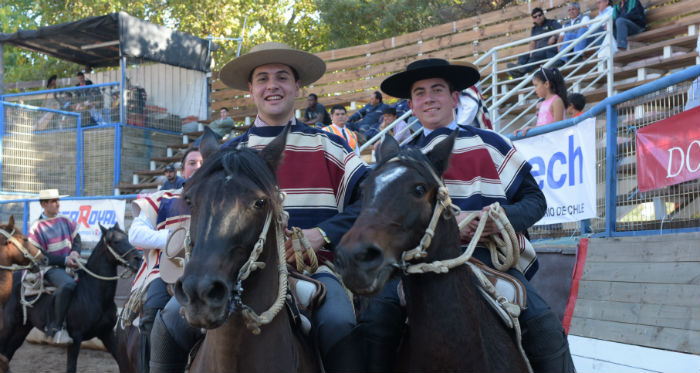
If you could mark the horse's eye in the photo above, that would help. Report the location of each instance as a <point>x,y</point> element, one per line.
<point>187,200</point>
<point>419,190</point>
<point>259,204</point>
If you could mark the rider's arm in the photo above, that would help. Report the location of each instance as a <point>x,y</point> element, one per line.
<point>336,226</point>
<point>52,259</point>
<point>77,244</point>
<point>142,234</point>
<point>528,205</point>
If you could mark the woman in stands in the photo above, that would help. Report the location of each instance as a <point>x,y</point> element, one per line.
<point>549,84</point>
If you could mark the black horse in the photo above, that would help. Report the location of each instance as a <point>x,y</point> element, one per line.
<point>92,312</point>
<point>231,197</point>
<point>451,328</point>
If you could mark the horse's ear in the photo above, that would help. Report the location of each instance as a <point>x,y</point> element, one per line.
<point>274,151</point>
<point>102,228</point>
<point>388,149</point>
<point>116,226</point>
<point>439,156</point>
<point>11,223</point>
<point>209,144</point>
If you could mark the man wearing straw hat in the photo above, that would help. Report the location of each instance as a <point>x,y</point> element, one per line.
<point>57,237</point>
<point>320,174</point>
<point>484,168</point>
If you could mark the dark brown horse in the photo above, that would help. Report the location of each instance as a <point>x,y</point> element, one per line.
<point>231,197</point>
<point>15,255</point>
<point>451,328</point>
<point>92,312</point>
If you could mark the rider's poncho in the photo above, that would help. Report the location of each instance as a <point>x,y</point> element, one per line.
<point>53,236</point>
<point>163,210</point>
<point>319,173</point>
<point>484,168</point>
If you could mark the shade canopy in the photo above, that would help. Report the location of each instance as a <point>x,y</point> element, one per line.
<point>98,41</point>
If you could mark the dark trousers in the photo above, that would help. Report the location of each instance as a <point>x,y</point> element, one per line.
<point>156,298</point>
<point>541,55</point>
<point>65,286</point>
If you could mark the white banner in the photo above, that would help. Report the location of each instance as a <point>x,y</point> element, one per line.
<point>563,164</point>
<point>88,214</point>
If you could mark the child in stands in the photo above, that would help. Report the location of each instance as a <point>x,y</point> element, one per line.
<point>549,85</point>
<point>577,102</point>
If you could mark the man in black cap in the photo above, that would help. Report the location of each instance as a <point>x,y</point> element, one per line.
<point>172,180</point>
<point>484,168</point>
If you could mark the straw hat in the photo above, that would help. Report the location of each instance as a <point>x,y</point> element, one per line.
<point>45,194</point>
<point>462,75</point>
<point>172,261</point>
<point>235,74</point>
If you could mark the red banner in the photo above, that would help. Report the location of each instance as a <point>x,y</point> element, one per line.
<point>668,151</point>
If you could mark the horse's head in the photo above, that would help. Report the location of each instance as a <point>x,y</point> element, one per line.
<point>117,242</point>
<point>398,199</point>
<point>230,198</point>
<point>15,246</point>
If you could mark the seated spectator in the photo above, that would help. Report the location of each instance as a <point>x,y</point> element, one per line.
<point>550,86</point>
<point>52,101</point>
<point>339,117</point>
<point>223,125</point>
<point>114,107</point>
<point>541,25</point>
<point>315,114</point>
<point>388,117</point>
<point>577,102</point>
<point>172,181</point>
<point>604,8</point>
<point>575,18</point>
<point>366,120</point>
<point>629,20</point>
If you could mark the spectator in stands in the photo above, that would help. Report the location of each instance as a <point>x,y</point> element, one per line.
<point>604,8</point>
<point>223,125</point>
<point>629,20</point>
<point>52,101</point>
<point>550,86</point>
<point>694,90</point>
<point>82,82</point>
<point>538,52</point>
<point>315,114</point>
<point>577,102</point>
<point>339,117</point>
<point>172,181</point>
<point>575,18</point>
<point>389,116</point>
<point>366,120</point>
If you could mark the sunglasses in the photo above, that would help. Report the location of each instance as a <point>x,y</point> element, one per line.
<point>537,15</point>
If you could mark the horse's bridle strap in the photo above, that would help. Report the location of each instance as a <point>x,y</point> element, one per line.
<point>22,249</point>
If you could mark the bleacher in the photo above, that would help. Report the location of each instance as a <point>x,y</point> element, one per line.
<point>354,72</point>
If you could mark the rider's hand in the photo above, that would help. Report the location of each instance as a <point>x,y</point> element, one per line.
<point>315,239</point>
<point>468,231</point>
<point>72,259</point>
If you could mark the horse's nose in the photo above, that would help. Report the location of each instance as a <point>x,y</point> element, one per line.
<point>209,290</point>
<point>368,257</point>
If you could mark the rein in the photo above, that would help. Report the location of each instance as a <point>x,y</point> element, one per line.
<point>252,319</point>
<point>23,250</point>
<point>504,253</point>
<point>119,258</point>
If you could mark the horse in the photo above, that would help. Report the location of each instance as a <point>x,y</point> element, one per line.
<point>92,312</point>
<point>236,231</point>
<point>15,255</point>
<point>128,355</point>
<point>451,327</point>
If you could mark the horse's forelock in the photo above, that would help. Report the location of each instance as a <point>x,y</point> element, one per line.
<point>225,169</point>
<point>413,155</point>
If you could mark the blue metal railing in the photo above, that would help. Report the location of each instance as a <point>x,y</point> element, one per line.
<point>608,106</point>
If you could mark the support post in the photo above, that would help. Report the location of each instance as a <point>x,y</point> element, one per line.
<point>611,170</point>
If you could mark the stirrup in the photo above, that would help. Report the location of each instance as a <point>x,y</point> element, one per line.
<point>61,337</point>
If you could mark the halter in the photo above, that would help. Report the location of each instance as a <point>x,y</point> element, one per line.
<point>253,320</point>
<point>504,254</point>
<point>22,249</point>
<point>115,254</point>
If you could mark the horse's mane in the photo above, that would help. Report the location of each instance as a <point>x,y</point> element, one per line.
<point>229,167</point>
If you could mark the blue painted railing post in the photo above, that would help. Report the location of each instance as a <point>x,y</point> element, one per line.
<point>25,218</point>
<point>611,170</point>
<point>79,157</point>
<point>122,121</point>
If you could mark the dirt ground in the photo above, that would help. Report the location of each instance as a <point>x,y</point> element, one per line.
<point>41,358</point>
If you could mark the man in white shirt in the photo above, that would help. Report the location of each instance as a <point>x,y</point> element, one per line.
<point>575,18</point>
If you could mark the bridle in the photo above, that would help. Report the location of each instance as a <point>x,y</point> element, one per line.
<point>503,254</point>
<point>32,258</point>
<point>253,320</point>
<point>120,258</point>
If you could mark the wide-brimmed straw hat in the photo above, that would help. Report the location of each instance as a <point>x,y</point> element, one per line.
<point>235,74</point>
<point>462,75</point>
<point>172,260</point>
<point>45,194</point>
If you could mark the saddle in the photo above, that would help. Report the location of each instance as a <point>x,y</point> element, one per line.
<point>34,284</point>
<point>304,296</point>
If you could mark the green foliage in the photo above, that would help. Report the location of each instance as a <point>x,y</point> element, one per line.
<point>312,25</point>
